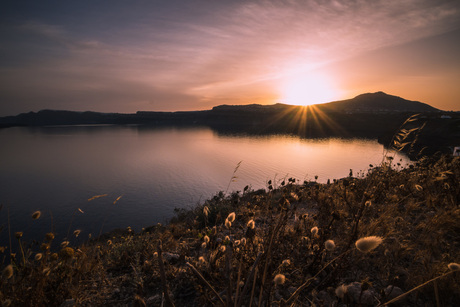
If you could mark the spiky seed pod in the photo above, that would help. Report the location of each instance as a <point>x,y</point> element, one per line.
<point>330,245</point>
<point>279,279</point>
<point>36,215</point>
<point>251,224</point>
<point>231,217</point>
<point>7,272</point>
<point>367,244</point>
<point>18,235</point>
<point>314,231</point>
<point>453,266</point>
<point>38,256</point>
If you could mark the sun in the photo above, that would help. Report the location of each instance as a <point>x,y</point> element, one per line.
<point>307,89</point>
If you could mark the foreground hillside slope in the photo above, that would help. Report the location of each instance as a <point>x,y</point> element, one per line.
<point>293,243</point>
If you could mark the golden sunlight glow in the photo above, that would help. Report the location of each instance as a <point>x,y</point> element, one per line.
<point>307,89</point>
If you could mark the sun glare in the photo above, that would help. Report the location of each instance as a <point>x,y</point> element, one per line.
<point>308,89</point>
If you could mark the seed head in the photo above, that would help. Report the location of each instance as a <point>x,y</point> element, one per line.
<point>7,272</point>
<point>18,235</point>
<point>236,242</point>
<point>206,239</point>
<point>286,262</point>
<point>228,224</point>
<point>279,279</point>
<point>453,266</point>
<point>49,236</point>
<point>330,245</point>
<point>76,232</point>
<point>341,291</point>
<point>222,248</point>
<point>38,256</point>
<point>314,231</point>
<point>54,256</point>
<point>201,260</point>
<point>367,244</point>
<point>203,245</point>
<point>251,224</point>
<point>231,217</point>
<point>64,244</point>
<point>243,241</point>
<point>67,253</point>
<point>206,211</point>
<point>36,215</point>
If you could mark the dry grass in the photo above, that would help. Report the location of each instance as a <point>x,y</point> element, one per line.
<point>271,254</point>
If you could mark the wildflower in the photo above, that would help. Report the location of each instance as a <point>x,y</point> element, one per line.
<point>203,245</point>
<point>76,232</point>
<point>201,260</point>
<point>38,256</point>
<point>64,244</point>
<point>231,217</point>
<point>279,279</point>
<point>49,236</point>
<point>18,235</point>
<point>314,231</point>
<point>222,248</point>
<point>286,262</point>
<point>243,241</point>
<point>330,245</point>
<point>251,224</point>
<point>7,272</point>
<point>367,244</point>
<point>453,266</point>
<point>228,224</point>
<point>36,215</point>
<point>206,239</point>
<point>341,291</point>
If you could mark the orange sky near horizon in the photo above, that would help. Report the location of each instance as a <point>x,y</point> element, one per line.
<point>124,57</point>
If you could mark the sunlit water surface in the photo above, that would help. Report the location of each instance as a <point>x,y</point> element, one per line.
<point>57,169</point>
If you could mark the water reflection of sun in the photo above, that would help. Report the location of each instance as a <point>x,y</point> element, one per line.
<point>307,89</point>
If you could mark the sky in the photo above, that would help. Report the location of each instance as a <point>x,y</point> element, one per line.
<point>128,56</point>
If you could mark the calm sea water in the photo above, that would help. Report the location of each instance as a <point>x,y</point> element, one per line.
<point>57,169</point>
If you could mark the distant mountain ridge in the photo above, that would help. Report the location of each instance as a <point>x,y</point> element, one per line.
<point>377,102</point>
